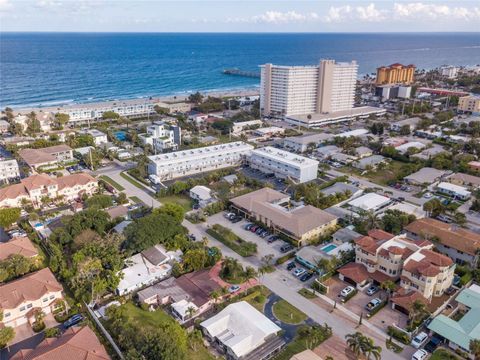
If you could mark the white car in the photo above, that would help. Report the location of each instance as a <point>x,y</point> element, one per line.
<point>347,291</point>
<point>420,355</point>
<point>419,340</point>
<point>299,272</point>
<point>427,195</point>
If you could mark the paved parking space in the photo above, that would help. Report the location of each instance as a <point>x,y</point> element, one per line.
<point>385,317</point>
<point>263,247</point>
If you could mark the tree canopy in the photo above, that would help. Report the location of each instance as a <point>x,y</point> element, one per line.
<point>8,216</point>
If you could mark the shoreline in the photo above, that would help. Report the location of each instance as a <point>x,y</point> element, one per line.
<point>175,97</point>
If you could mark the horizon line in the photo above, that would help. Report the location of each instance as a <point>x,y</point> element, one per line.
<point>232,32</point>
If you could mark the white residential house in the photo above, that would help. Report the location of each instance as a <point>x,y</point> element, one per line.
<point>283,164</point>
<point>98,136</point>
<point>147,268</point>
<point>9,170</point>
<point>162,136</point>
<point>453,190</point>
<point>187,162</point>
<point>240,329</point>
<point>202,195</point>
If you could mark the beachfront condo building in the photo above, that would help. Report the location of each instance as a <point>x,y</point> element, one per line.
<point>283,164</point>
<point>328,87</point>
<point>193,161</point>
<point>395,74</point>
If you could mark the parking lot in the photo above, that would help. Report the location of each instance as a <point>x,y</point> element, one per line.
<point>263,247</point>
<point>385,317</point>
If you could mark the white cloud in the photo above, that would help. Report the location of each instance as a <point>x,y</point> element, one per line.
<point>368,13</point>
<point>419,10</point>
<point>278,17</point>
<point>5,5</point>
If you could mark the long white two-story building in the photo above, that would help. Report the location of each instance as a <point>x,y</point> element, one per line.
<point>283,164</point>
<point>187,162</point>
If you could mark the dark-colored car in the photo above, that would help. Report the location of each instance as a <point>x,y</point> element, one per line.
<point>236,219</point>
<point>196,206</point>
<point>433,344</point>
<point>74,320</point>
<point>291,265</point>
<point>450,291</point>
<point>248,226</point>
<point>272,239</point>
<point>307,276</point>
<point>259,230</point>
<point>285,248</point>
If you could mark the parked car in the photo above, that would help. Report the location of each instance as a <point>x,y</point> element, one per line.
<point>299,272</point>
<point>248,226</point>
<point>419,340</point>
<point>372,290</point>
<point>307,276</point>
<point>196,206</point>
<point>236,219</point>
<point>373,304</point>
<point>427,195</point>
<point>74,320</point>
<point>264,234</point>
<point>456,280</point>
<point>347,291</point>
<point>234,288</point>
<point>285,248</point>
<point>272,239</point>
<point>450,291</point>
<point>432,344</point>
<point>254,228</point>
<point>401,198</point>
<point>291,265</point>
<point>259,230</point>
<point>420,355</point>
<point>228,215</point>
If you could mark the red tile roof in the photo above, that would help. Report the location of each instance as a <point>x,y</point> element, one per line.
<point>355,271</point>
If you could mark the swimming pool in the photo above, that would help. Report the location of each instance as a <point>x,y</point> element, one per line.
<point>121,135</point>
<point>328,248</point>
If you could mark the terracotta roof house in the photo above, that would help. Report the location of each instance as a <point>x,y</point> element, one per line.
<point>75,343</point>
<point>427,272</point>
<point>48,157</point>
<point>189,290</point>
<point>380,256</point>
<point>457,243</point>
<point>20,245</point>
<point>38,290</point>
<point>38,186</point>
<point>282,215</point>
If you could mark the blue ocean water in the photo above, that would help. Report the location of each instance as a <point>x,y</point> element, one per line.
<point>55,68</point>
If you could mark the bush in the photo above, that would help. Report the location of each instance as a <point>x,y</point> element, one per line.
<point>260,298</point>
<point>286,257</point>
<point>228,238</point>
<point>465,278</point>
<point>38,326</point>
<point>52,332</point>
<point>399,335</point>
<point>60,318</point>
<point>214,208</point>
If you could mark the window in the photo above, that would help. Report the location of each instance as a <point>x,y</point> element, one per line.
<point>29,306</point>
<point>45,299</point>
<point>6,315</point>
<point>22,308</point>
<point>52,297</point>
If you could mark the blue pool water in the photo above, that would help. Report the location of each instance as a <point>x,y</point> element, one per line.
<point>121,135</point>
<point>329,248</point>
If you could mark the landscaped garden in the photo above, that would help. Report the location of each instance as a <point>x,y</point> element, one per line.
<point>182,200</point>
<point>228,238</point>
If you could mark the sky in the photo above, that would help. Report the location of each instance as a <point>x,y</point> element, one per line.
<point>239,16</point>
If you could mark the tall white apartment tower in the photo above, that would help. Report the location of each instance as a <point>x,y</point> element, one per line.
<point>294,90</point>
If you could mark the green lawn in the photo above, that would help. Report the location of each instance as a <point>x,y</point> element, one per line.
<point>112,182</point>
<point>181,200</point>
<point>153,318</point>
<point>132,181</point>
<point>258,298</point>
<point>136,200</point>
<point>230,239</point>
<point>307,293</point>
<point>443,354</point>
<point>288,313</point>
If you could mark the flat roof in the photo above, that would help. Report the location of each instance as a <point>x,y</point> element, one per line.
<point>369,201</point>
<point>454,188</point>
<point>202,152</point>
<point>357,111</point>
<point>425,175</point>
<point>308,138</point>
<point>284,156</point>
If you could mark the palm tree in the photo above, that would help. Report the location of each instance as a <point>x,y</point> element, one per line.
<point>250,273</point>
<point>475,348</point>
<point>417,310</point>
<point>370,349</point>
<point>388,286</point>
<point>355,342</point>
<point>215,295</point>
<point>191,311</point>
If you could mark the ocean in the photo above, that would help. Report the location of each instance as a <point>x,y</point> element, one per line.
<point>46,69</point>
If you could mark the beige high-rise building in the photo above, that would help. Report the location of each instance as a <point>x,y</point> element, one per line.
<point>294,90</point>
<point>469,104</point>
<point>395,74</point>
